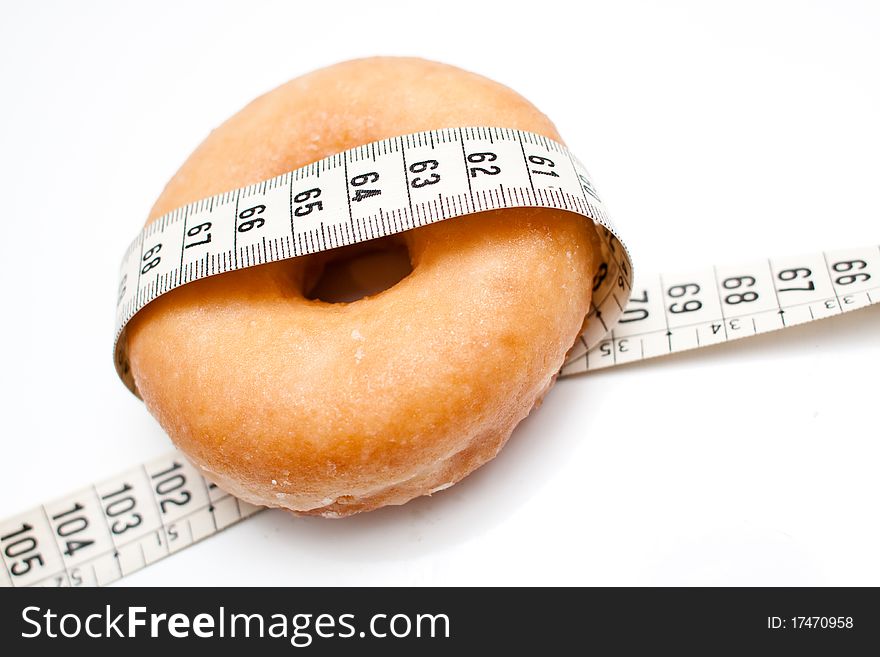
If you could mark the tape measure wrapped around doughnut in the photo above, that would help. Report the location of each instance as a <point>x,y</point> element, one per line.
<point>334,408</point>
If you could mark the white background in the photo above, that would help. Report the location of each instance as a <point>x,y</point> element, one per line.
<point>717,132</point>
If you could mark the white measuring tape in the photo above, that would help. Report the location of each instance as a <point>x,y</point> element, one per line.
<point>108,530</point>
<point>368,192</point>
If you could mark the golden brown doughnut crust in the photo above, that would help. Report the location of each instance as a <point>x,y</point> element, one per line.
<point>335,408</point>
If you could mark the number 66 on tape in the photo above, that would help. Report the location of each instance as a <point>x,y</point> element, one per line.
<point>106,531</point>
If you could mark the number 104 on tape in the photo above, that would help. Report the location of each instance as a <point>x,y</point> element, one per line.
<point>103,532</point>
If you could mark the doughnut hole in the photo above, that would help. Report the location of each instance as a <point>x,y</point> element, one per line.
<point>359,270</point>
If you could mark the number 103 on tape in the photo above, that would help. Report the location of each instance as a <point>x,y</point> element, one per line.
<point>103,532</point>
<point>106,531</point>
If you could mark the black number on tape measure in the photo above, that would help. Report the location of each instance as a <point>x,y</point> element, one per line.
<point>850,265</point>
<point>72,526</point>
<point>543,162</point>
<point>610,238</point>
<point>23,549</point>
<point>117,504</point>
<point>607,347</point>
<point>601,275</point>
<point>421,167</point>
<point>635,314</point>
<point>245,220</point>
<point>677,291</point>
<point>361,194</point>
<point>76,577</point>
<point>689,306</point>
<point>792,274</point>
<point>736,282</point>
<point>849,279</point>
<point>307,208</point>
<point>198,230</point>
<point>171,482</point>
<point>477,158</point>
<point>361,180</point>
<point>741,297</point>
<point>155,261</point>
<point>588,186</point>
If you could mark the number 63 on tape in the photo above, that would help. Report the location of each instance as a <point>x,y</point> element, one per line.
<point>105,531</point>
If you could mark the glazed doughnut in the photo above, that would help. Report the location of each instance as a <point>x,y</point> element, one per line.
<point>335,408</point>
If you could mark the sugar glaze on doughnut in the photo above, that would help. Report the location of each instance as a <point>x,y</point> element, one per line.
<point>336,408</point>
